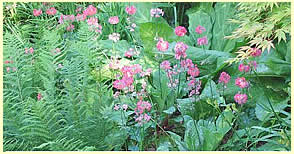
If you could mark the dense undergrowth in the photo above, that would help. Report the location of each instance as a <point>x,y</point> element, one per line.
<point>146,76</point>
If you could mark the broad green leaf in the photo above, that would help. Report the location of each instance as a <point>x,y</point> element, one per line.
<point>203,19</point>
<point>222,28</point>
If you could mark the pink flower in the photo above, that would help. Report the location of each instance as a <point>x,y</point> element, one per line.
<point>244,68</point>
<point>224,78</point>
<point>199,29</point>
<point>165,65</point>
<point>134,25</point>
<point>39,97</point>
<point>142,106</point>
<point>156,12</point>
<point>193,71</point>
<point>79,9</point>
<point>119,84</point>
<point>147,117</point>
<point>114,64</point>
<point>125,106</point>
<point>116,107</point>
<point>37,12</point>
<point>131,10</point>
<point>71,27</point>
<point>240,98</point>
<point>90,10</point>
<point>31,50</point>
<point>92,21</point>
<point>253,64</point>
<point>7,69</point>
<point>162,45</point>
<point>116,94</point>
<point>146,73</point>
<point>180,50</point>
<point>81,17</point>
<point>51,11</point>
<point>187,63</point>
<point>60,21</point>
<point>113,20</point>
<point>202,41</point>
<point>180,31</point>
<point>7,62</point>
<point>129,53</point>
<point>241,82</point>
<point>256,53</point>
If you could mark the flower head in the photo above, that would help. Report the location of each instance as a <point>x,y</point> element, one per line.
<point>180,31</point>
<point>240,98</point>
<point>80,17</point>
<point>224,78</point>
<point>37,12</point>
<point>199,29</point>
<point>39,97</point>
<point>156,12</point>
<point>241,82</point>
<point>202,41</point>
<point>131,10</point>
<point>125,106</point>
<point>180,50</point>
<point>116,107</point>
<point>162,45</point>
<point>193,71</point>
<point>244,68</point>
<point>256,52</point>
<point>51,11</point>
<point>71,27</point>
<point>129,53</point>
<point>253,64</point>
<point>113,20</point>
<point>165,65</point>
<point>90,10</point>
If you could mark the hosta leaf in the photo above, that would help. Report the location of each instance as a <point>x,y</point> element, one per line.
<point>222,28</point>
<point>203,19</point>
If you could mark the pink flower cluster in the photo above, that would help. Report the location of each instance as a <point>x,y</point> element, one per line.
<point>118,106</point>
<point>241,82</point>
<point>93,25</point>
<point>114,64</point>
<point>156,12</point>
<point>246,68</point>
<point>113,20</point>
<point>131,10</point>
<point>199,29</point>
<point>240,98</point>
<point>130,53</point>
<point>90,10</point>
<point>162,45</point>
<point>51,11</point>
<point>140,110</point>
<point>180,50</point>
<point>126,82</point>
<point>39,96</point>
<point>256,52</point>
<point>180,31</point>
<point>37,12</point>
<point>202,41</point>
<point>224,78</point>
<point>194,85</point>
<point>9,62</point>
<point>31,50</point>
<point>165,65</point>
